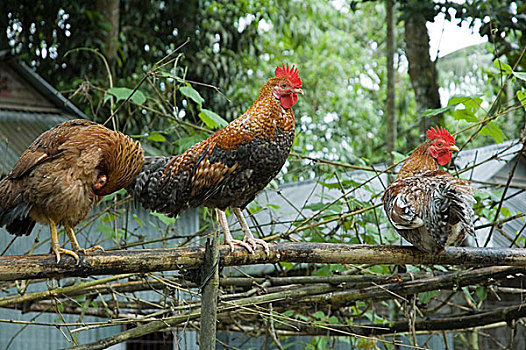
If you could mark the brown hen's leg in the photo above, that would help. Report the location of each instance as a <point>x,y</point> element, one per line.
<point>55,246</point>
<point>228,236</point>
<point>249,238</point>
<point>75,244</point>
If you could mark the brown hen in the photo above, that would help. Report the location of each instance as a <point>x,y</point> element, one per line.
<point>231,166</point>
<point>429,207</point>
<point>62,174</point>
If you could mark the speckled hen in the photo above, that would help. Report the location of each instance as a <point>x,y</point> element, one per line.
<point>429,207</point>
<point>231,166</point>
<point>62,174</point>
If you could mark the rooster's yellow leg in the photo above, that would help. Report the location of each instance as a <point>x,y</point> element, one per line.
<point>249,238</point>
<point>55,246</point>
<point>228,236</point>
<point>75,244</point>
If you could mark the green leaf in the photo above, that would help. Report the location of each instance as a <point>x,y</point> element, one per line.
<point>164,218</point>
<point>503,67</point>
<point>521,95</point>
<point>320,315</point>
<point>466,115</point>
<point>333,320</point>
<point>505,211</point>
<point>493,130</point>
<point>520,75</point>
<point>185,143</point>
<point>122,93</point>
<point>481,293</point>
<point>288,313</point>
<point>455,100</point>
<point>165,74</point>
<point>108,218</point>
<point>137,220</point>
<point>156,137</point>
<point>473,103</point>
<point>212,119</point>
<point>425,297</point>
<point>436,111</point>
<point>286,265</point>
<point>192,94</point>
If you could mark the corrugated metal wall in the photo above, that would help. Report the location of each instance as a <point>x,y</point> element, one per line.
<point>48,337</point>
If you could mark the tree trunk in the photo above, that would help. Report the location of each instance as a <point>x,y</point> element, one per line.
<point>390,116</point>
<point>4,44</point>
<point>422,71</point>
<point>110,10</point>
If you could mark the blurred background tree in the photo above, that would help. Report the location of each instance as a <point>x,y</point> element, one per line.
<point>339,47</point>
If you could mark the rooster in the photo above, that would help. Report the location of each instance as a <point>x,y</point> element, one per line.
<point>62,174</point>
<point>429,207</point>
<point>231,166</point>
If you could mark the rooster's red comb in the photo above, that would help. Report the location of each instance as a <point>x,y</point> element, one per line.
<point>440,132</point>
<point>289,73</point>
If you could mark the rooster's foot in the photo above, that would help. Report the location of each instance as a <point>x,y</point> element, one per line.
<point>234,242</point>
<point>255,241</point>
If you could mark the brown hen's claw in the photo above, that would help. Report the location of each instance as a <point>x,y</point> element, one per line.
<point>85,251</point>
<point>58,250</point>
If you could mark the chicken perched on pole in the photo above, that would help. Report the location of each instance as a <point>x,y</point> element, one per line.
<point>429,207</point>
<point>62,174</point>
<point>231,166</point>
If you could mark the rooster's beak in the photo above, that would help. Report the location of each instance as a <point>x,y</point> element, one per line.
<point>298,91</point>
<point>454,148</point>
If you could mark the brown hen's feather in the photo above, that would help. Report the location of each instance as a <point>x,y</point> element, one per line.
<point>428,207</point>
<point>64,172</point>
<point>231,166</point>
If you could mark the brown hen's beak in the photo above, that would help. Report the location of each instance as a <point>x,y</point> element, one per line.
<point>298,91</point>
<point>454,148</point>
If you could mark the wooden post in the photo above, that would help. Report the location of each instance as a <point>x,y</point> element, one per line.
<point>209,296</point>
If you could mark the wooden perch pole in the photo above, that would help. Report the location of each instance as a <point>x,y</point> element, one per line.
<point>210,287</point>
<point>140,261</point>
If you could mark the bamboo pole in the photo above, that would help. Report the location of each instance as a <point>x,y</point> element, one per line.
<point>383,292</point>
<point>458,322</point>
<point>141,261</point>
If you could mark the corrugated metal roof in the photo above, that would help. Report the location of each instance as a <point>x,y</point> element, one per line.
<point>18,130</point>
<point>29,76</point>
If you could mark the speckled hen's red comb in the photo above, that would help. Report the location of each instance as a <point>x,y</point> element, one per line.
<point>439,132</point>
<point>289,73</point>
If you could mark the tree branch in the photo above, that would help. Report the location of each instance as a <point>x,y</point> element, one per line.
<point>455,279</point>
<point>141,261</point>
<point>457,322</point>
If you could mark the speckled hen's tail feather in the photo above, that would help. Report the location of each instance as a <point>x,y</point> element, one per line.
<point>148,184</point>
<point>450,206</point>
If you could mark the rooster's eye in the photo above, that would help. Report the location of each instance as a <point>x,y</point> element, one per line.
<point>440,144</point>
<point>283,85</point>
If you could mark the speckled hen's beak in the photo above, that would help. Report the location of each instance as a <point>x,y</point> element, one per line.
<point>298,91</point>
<point>454,148</point>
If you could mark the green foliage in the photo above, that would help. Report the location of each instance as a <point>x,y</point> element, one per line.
<point>211,119</point>
<point>122,93</point>
<point>191,93</point>
<point>167,220</point>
